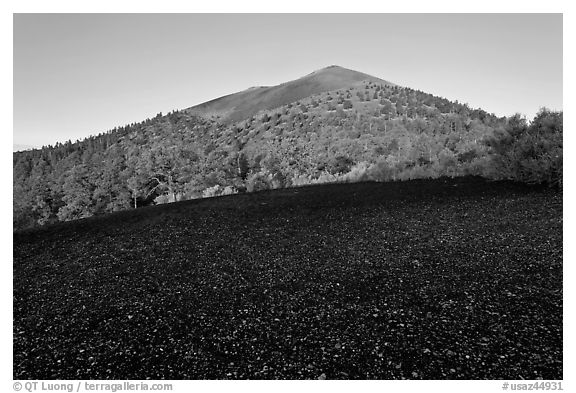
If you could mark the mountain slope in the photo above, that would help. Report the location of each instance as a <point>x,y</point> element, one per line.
<point>360,128</point>
<point>244,104</point>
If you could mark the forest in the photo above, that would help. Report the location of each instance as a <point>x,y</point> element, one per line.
<point>369,132</point>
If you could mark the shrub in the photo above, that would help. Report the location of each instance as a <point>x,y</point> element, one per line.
<point>340,164</point>
<point>229,190</point>
<point>257,182</point>
<point>323,178</point>
<point>418,172</point>
<point>161,199</point>
<point>529,153</point>
<point>382,171</point>
<point>358,173</point>
<point>211,191</point>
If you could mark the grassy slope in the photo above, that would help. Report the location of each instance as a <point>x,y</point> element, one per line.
<point>244,104</point>
<point>423,279</point>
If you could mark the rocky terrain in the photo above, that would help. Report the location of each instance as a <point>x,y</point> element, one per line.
<point>426,279</point>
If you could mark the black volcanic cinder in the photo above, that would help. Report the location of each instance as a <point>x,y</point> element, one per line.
<point>427,279</point>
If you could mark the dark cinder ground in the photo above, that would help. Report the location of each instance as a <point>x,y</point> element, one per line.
<point>437,279</point>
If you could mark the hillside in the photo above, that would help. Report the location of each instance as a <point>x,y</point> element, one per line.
<point>363,129</point>
<point>243,105</point>
<point>425,279</point>
<point>19,147</point>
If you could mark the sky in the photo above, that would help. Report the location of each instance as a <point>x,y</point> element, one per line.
<point>76,75</point>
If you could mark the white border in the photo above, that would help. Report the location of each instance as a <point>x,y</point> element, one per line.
<point>308,6</point>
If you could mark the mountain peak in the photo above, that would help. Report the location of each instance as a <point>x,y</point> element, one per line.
<point>247,103</point>
<point>336,69</point>
<point>333,66</point>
